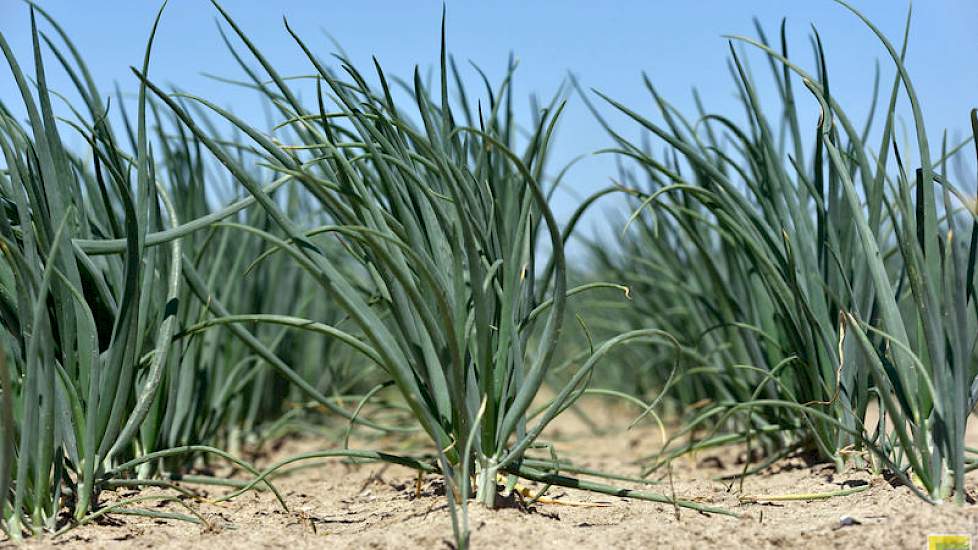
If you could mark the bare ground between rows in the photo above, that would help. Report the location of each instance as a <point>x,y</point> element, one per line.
<point>340,505</point>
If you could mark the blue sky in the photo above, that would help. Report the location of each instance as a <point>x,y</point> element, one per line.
<point>606,44</point>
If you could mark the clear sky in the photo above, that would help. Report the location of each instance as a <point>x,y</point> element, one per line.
<point>606,44</point>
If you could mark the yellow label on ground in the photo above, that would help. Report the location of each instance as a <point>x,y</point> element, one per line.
<point>948,542</point>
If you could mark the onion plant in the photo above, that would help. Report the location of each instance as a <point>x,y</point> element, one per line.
<point>452,274</point>
<point>822,274</point>
<point>85,338</point>
<point>732,258</point>
<point>98,272</point>
<point>221,390</point>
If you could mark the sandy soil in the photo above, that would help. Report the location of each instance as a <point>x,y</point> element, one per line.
<point>339,505</point>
